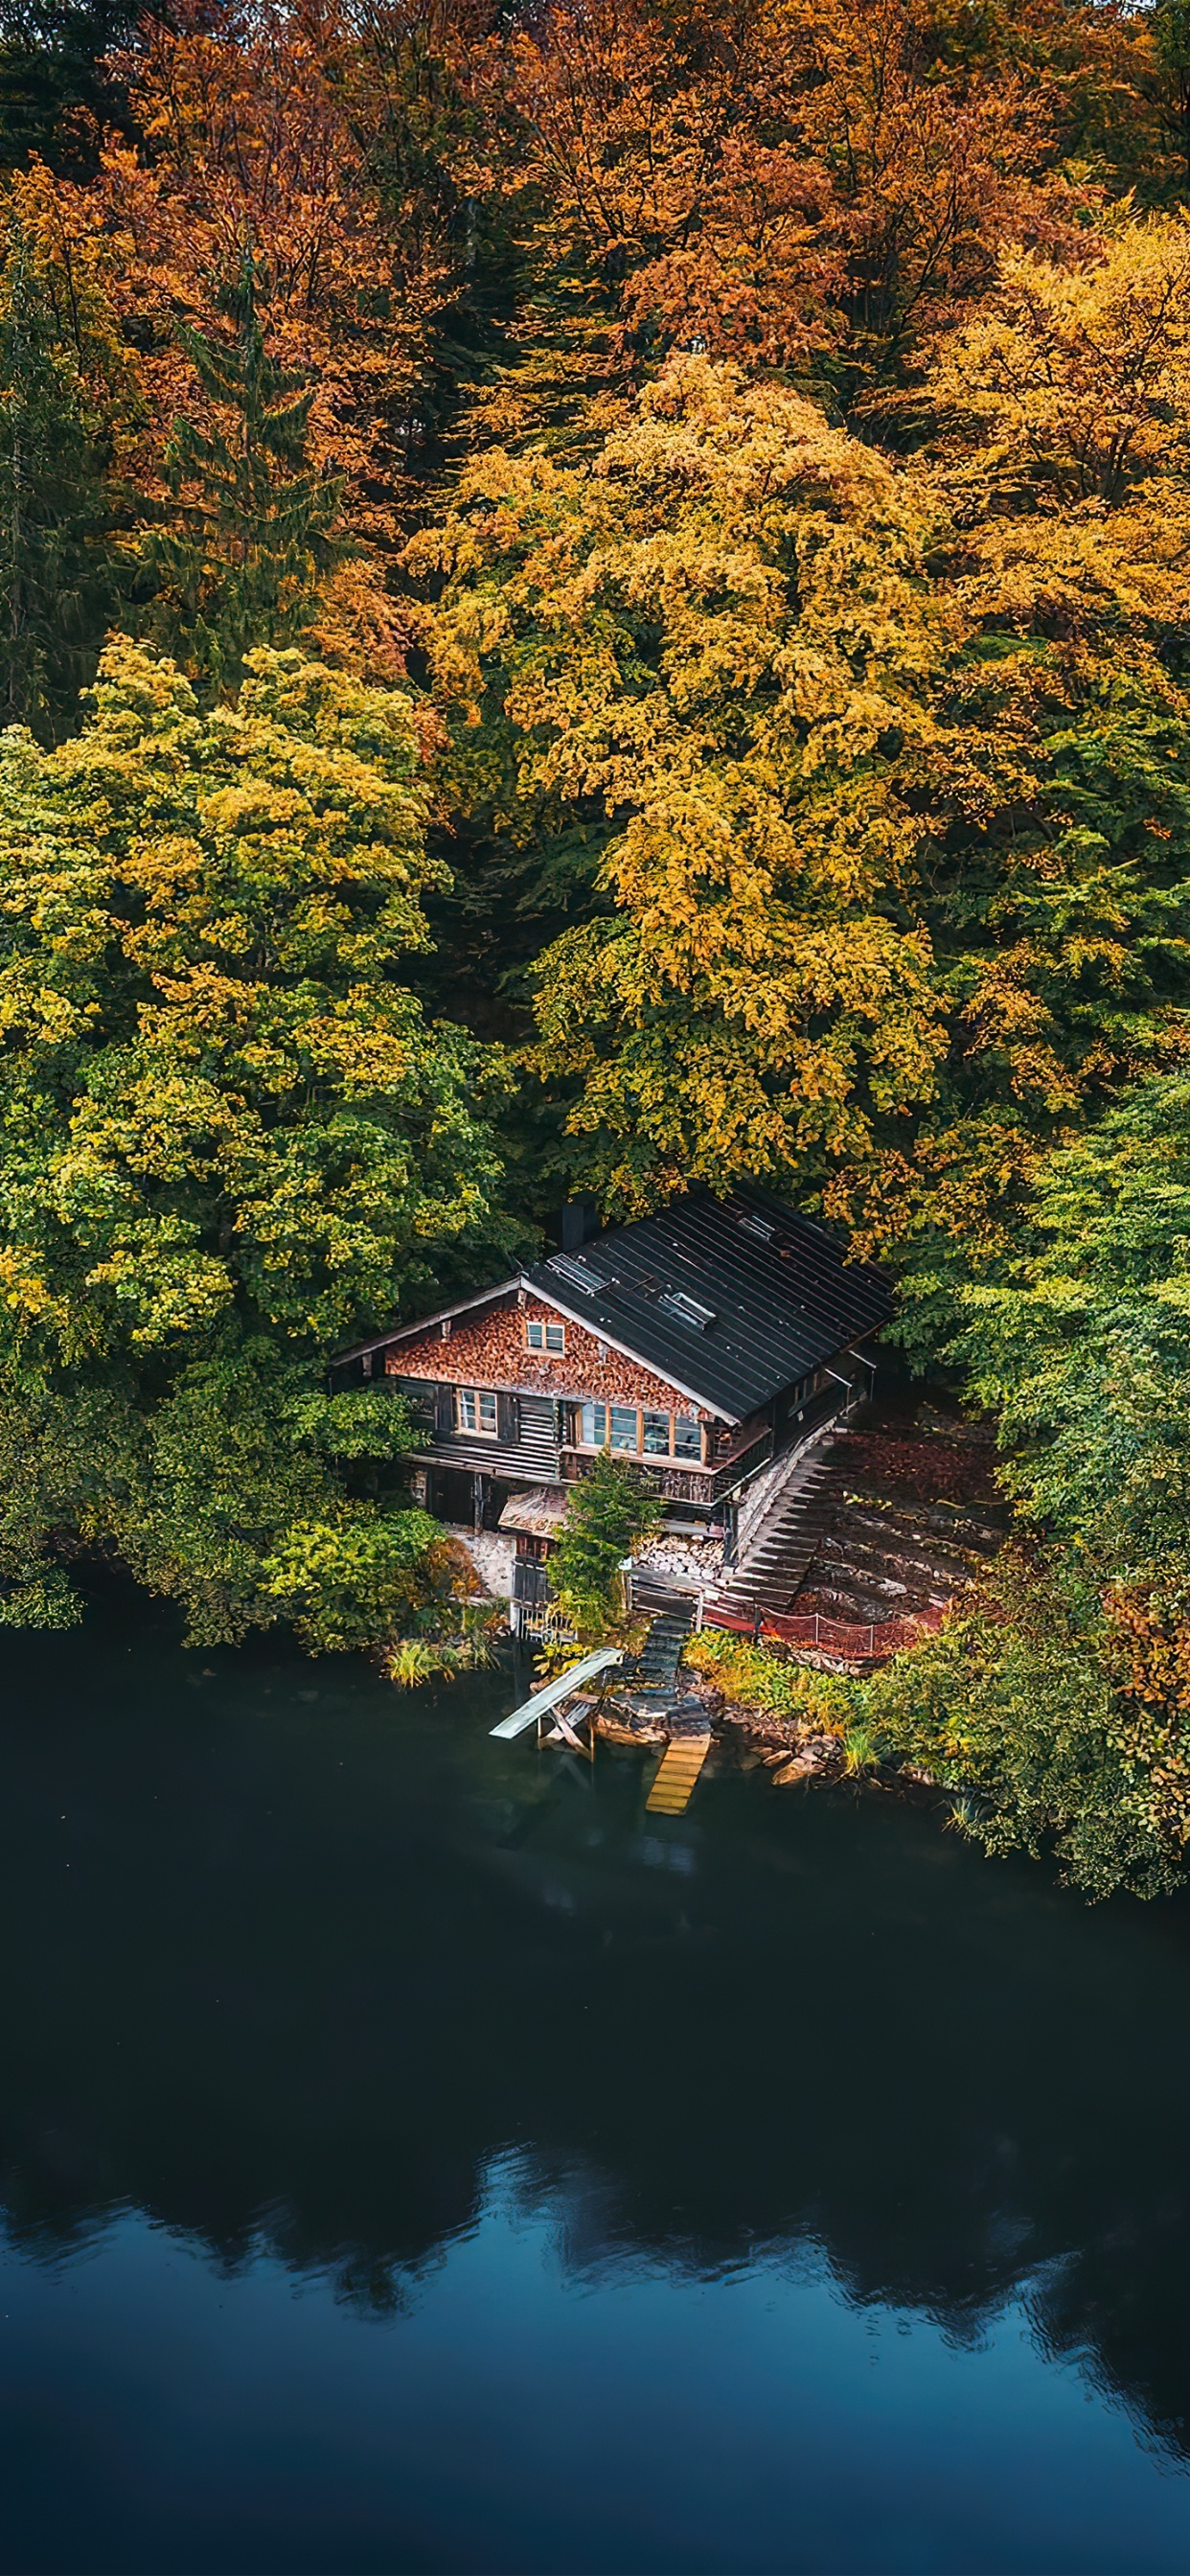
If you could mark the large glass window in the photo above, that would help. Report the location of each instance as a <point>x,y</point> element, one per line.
<point>649,1434</point>
<point>476,1411</point>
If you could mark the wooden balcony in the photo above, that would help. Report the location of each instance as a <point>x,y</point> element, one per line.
<point>678,1484</point>
<point>702,1486</point>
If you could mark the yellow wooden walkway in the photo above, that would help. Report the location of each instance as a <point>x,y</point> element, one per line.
<point>680,1765</point>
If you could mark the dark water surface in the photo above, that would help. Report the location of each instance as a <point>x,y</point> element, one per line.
<point>415,2157</point>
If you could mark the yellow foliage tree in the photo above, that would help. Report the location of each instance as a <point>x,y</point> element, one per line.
<point>879,776</point>
<point>711,641</point>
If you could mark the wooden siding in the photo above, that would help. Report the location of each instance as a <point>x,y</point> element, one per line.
<point>489,1351</point>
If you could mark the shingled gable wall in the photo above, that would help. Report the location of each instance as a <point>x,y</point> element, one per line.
<point>489,1350</point>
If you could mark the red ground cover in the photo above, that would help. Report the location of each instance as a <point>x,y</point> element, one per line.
<point>925,1470</point>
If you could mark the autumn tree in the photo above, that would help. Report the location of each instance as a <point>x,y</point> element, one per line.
<point>786,184</point>
<point>878,869</point>
<point>232,1140</point>
<point>267,133</point>
<point>1062,843</point>
<point>701,648</point>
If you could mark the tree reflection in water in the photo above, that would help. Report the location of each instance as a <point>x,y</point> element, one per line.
<point>301,1963</point>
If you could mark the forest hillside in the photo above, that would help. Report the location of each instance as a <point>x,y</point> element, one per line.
<point>596,595</point>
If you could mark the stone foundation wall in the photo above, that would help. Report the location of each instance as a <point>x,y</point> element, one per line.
<point>493,1555</point>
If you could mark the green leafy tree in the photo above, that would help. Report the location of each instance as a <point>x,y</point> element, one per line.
<point>1017,1709</point>
<point>231,1141</point>
<point>57,567</point>
<point>608,1513</point>
<point>1082,1346</point>
<point>1059,1710</point>
<point>250,529</point>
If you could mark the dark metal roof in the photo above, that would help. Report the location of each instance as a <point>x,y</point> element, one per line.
<point>731,1299</point>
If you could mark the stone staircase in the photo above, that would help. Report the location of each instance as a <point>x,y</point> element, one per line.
<point>780,1545</point>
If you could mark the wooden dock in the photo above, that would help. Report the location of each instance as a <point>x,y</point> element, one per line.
<point>679,1768</point>
<point>531,1711</point>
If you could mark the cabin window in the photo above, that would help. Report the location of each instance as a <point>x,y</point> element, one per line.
<point>476,1412</point>
<point>641,1434</point>
<point>807,1386</point>
<point>545,1337</point>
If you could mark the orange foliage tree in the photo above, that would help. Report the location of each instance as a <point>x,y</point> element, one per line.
<point>789,183</point>
<point>265,140</point>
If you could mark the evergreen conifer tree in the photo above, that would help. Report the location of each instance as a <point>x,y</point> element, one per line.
<point>1171,37</point>
<point>57,583</point>
<point>57,89</point>
<point>607,1515</point>
<point>250,529</point>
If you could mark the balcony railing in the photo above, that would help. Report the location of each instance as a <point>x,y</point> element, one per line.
<point>677,1484</point>
<point>680,1484</point>
<point>543,1621</point>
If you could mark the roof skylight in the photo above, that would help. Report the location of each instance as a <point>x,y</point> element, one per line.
<point>687,1309</point>
<point>579,1273</point>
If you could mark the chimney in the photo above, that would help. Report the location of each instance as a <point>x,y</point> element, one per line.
<point>579,1221</point>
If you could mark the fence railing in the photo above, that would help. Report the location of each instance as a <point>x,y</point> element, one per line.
<point>852,1641</point>
<point>542,1621</point>
<point>745,1463</point>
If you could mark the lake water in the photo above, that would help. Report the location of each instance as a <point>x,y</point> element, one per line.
<point>413,2156</point>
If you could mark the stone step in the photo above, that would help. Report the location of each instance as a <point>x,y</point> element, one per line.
<point>781,1546</point>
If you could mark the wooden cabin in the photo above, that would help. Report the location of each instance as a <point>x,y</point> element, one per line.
<point>699,1343</point>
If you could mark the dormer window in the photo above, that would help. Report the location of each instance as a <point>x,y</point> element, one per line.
<point>540,1336</point>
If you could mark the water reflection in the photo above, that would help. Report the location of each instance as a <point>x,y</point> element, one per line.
<point>304,1974</point>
